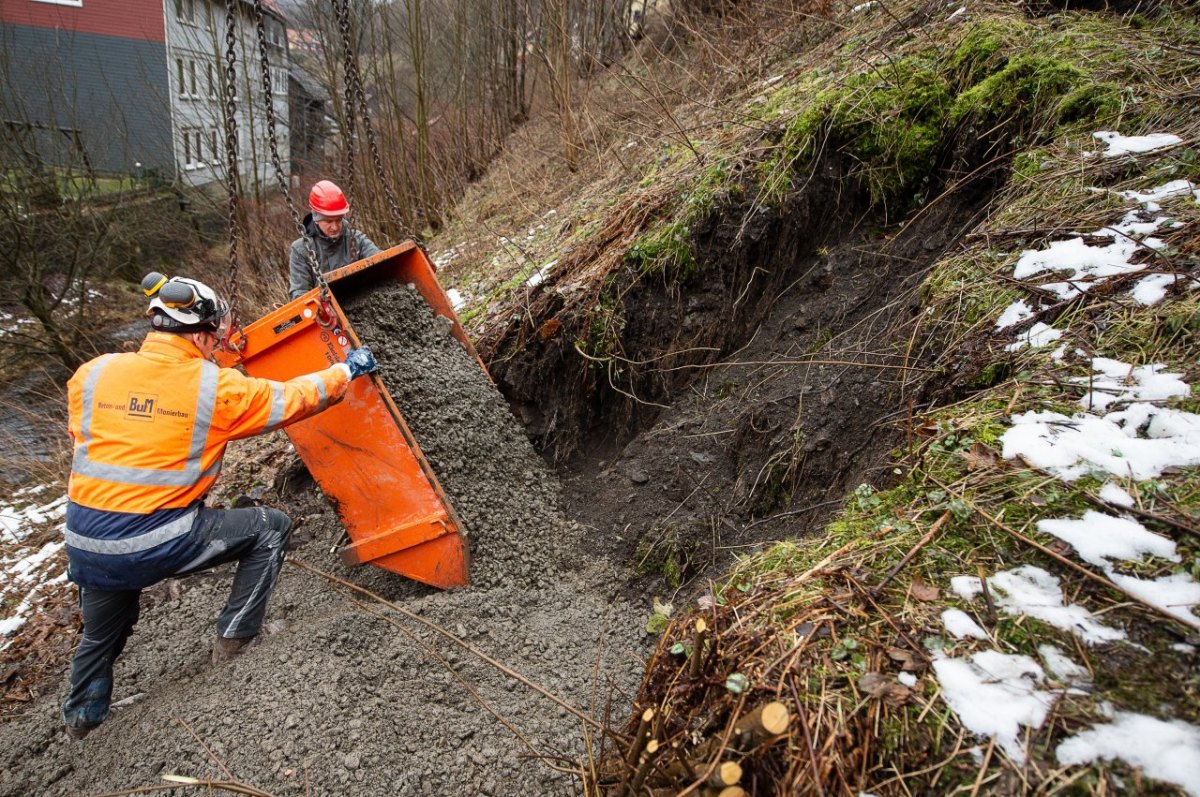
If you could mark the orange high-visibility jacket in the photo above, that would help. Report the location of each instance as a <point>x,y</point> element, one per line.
<point>150,428</point>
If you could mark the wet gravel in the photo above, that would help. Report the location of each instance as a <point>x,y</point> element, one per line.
<point>336,700</point>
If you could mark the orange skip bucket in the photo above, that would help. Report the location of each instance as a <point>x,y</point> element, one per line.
<point>361,451</point>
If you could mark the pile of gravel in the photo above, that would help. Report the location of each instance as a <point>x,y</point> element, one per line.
<point>338,701</point>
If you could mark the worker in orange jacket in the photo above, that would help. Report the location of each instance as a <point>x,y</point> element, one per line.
<point>149,431</point>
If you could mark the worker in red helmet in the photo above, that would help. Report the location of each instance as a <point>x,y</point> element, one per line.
<point>149,430</point>
<point>333,242</point>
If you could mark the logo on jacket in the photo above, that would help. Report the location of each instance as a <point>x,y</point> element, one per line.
<point>141,406</point>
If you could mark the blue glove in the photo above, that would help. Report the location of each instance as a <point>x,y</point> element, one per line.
<point>361,361</point>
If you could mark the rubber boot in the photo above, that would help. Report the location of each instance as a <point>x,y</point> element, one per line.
<point>76,733</point>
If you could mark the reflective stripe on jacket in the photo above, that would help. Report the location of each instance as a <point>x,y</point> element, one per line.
<point>150,428</point>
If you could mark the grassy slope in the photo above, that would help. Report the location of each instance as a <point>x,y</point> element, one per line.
<point>901,89</point>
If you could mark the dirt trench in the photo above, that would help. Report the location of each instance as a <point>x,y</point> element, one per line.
<point>811,308</point>
<point>337,701</point>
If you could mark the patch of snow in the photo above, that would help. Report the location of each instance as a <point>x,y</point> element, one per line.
<point>1166,750</point>
<point>1113,494</point>
<point>907,678</point>
<point>959,624</point>
<point>1101,539</point>
<point>1125,145</point>
<point>1062,667</point>
<point>1140,441</point>
<point>456,298</point>
<point>1034,592</point>
<point>961,10</point>
<point>18,522</point>
<point>863,7</point>
<point>1036,336</point>
<point>1153,289</point>
<point>26,576</point>
<point>772,81</point>
<point>995,694</point>
<point>1176,594</point>
<point>1113,380</point>
<point>1150,199</point>
<point>1015,313</point>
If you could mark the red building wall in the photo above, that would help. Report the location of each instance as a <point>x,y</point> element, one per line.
<point>127,19</point>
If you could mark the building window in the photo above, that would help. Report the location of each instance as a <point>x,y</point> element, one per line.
<point>185,11</point>
<point>212,83</point>
<point>187,149</point>
<point>179,77</point>
<point>215,138</point>
<point>199,136</point>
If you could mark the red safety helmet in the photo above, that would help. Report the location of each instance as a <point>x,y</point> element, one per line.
<point>327,199</point>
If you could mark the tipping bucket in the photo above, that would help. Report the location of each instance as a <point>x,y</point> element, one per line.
<point>361,451</point>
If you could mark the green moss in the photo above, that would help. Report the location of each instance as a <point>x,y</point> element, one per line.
<point>1092,101</point>
<point>665,249</point>
<point>1023,89</point>
<point>985,49</point>
<point>892,119</point>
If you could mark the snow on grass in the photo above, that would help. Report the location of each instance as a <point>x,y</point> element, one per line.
<point>25,575</point>
<point>1113,494</point>
<point>1101,539</point>
<point>1113,380</point>
<point>1015,313</point>
<point>1177,594</point>
<point>1036,336</point>
<point>959,624</point>
<point>1153,289</point>
<point>19,519</point>
<point>1166,750</point>
<point>1149,200</point>
<point>995,694</point>
<point>1031,591</point>
<point>1140,441</point>
<point>1126,145</point>
<point>456,298</point>
<point>1062,667</point>
<point>907,678</point>
<point>1089,265</point>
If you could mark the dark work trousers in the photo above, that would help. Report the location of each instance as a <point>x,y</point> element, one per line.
<point>255,537</point>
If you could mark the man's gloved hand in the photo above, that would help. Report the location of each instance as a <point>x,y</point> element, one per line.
<point>361,361</point>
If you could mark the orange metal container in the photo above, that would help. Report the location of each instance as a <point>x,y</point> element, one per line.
<point>361,451</point>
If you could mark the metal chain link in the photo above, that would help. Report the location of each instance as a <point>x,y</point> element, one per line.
<point>273,144</point>
<point>356,96</point>
<point>342,10</point>
<point>231,147</point>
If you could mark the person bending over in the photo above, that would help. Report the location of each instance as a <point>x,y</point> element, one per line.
<point>332,241</point>
<point>149,430</point>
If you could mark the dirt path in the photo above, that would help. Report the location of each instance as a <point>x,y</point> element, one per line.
<point>338,701</point>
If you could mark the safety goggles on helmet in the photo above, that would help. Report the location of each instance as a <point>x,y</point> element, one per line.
<point>179,304</point>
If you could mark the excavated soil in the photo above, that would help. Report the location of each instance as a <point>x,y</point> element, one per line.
<point>336,700</point>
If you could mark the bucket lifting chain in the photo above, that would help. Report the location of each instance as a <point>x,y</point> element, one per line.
<point>356,99</point>
<point>231,146</point>
<point>276,161</point>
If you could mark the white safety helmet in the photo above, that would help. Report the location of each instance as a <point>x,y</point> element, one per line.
<point>179,304</point>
